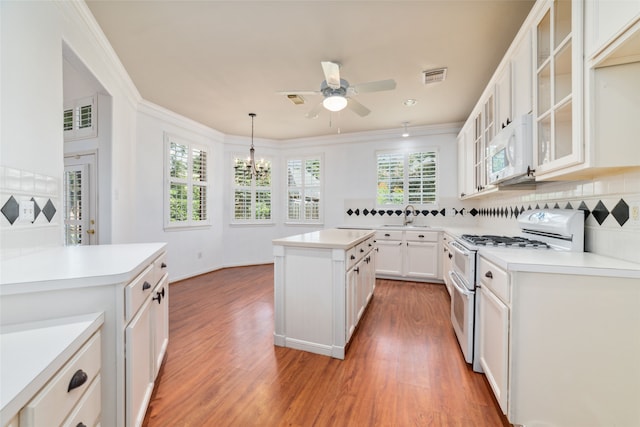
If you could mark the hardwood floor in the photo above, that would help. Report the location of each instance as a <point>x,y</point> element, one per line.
<point>403,367</point>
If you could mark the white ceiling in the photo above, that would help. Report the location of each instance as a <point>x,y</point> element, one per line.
<point>217,61</point>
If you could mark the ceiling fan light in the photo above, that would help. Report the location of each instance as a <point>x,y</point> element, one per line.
<point>334,102</point>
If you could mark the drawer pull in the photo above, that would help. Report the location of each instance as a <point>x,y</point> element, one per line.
<point>421,236</point>
<point>450,256</point>
<point>488,274</point>
<point>357,270</point>
<point>387,235</point>
<point>353,257</point>
<point>163,265</point>
<point>361,250</point>
<point>146,285</point>
<point>159,296</point>
<point>79,378</point>
<point>81,424</point>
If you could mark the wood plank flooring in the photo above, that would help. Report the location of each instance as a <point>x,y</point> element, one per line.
<point>403,367</point>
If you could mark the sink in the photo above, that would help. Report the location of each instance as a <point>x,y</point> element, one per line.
<point>404,226</point>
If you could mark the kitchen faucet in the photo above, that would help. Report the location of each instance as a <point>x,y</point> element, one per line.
<point>408,219</point>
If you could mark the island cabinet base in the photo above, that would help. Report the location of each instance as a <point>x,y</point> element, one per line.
<point>319,295</point>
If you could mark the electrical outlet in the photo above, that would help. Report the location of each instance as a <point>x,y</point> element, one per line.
<point>634,213</point>
<point>27,211</point>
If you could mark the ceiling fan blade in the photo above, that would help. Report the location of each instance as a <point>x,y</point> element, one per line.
<point>314,111</point>
<point>298,92</point>
<point>374,86</point>
<point>358,108</point>
<point>331,74</point>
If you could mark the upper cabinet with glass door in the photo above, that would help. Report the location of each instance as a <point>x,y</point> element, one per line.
<point>558,87</point>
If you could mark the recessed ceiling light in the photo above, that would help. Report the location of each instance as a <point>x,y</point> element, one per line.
<point>410,102</point>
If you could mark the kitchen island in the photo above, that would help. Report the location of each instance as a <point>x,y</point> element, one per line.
<point>323,281</point>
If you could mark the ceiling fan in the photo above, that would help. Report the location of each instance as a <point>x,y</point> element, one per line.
<point>338,93</point>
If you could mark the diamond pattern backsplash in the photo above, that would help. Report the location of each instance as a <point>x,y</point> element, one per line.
<point>620,211</point>
<point>11,210</point>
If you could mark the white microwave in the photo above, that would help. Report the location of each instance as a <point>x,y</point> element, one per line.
<point>511,151</point>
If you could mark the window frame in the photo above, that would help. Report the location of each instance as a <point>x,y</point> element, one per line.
<point>78,130</point>
<point>302,188</point>
<point>253,190</point>
<point>406,154</point>
<point>188,181</point>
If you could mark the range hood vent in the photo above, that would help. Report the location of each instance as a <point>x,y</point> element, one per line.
<point>436,75</point>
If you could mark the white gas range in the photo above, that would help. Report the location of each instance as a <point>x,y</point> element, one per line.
<point>541,230</point>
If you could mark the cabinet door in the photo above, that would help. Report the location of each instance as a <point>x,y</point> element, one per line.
<point>138,365</point>
<point>503,98</point>
<point>350,302</point>
<point>521,77</point>
<point>609,17</point>
<point>160,322</point>
<point>558,88</point>
<point>389,257</point>
<point>422,259</point>
<point>494,344</point>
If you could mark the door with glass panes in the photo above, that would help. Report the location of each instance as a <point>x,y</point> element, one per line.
<point>80,200</point>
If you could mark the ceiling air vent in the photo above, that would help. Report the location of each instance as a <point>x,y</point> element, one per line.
<point>434,76</point>
<point>296,99</point>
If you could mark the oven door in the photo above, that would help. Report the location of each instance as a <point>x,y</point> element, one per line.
<point>464,264</point>
<point>462,315</point>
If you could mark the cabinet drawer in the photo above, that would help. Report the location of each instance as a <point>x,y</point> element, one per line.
<point>388,235</point>
<point>351,257</point>
<point>159,268</point>
<point>137,291</point>
<point>422,236</point>
<point>363,248</point>
<point>54,402</point>
<point>494,278</point>
<point>87,412</point>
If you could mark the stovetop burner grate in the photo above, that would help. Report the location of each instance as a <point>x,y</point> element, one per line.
<point>506,241</point>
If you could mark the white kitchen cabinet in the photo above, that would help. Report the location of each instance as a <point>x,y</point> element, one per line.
<point>542,327</point>
<point>422,260</point>
<point>160,323</point>
<point>389,257</point>
<point>118,280</point>
<point>51,372</point>
<point>607,20</point>
<point>558,106</point>
<point>408,254</point>
<point>138,368</point>
<point>504,113</point>
<point>323,282</point>
<point>465,161</point>
<point>493,330</point>
<point>521,76</point>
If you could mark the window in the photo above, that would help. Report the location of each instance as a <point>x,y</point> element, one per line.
<point>407,178</point>
<point>187,183</point>
<point>251,195</point>
<point>304,190</point>
<point>79,119</point>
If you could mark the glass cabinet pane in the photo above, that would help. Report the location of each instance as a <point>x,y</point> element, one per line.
<point>562,132</point>
<point>544,39</point>
<point>561,21</point>
<point>544,141</point>
<point>562,73</point>
<point>544,89</point>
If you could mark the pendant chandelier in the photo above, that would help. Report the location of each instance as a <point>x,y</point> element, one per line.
<point>256,169</point>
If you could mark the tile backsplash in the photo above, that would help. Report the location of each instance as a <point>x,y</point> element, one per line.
<point>18,235</point>
<point>611,204</point>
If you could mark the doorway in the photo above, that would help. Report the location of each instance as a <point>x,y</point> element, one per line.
<point>80,200</point>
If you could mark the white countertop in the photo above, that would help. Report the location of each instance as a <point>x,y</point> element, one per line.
<point>76,266</point>
<point>551,261</point>
<point>30,354</point>
<point>332,238</point>
<point>560,262</point>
